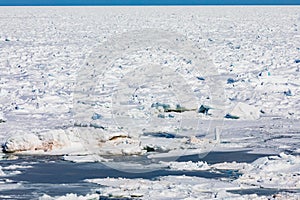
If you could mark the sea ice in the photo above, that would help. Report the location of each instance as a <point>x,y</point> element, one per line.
<point>2,118</point>
<point>1,172</point>
<point>245,112</point>
<point>81,82</point>
<point>187,166</point>
<point>168,187</point>
<point>70,196</point>
<point>278,172</point>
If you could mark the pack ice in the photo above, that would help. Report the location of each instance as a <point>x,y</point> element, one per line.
<point>51,82</point>
<point>160,82</point>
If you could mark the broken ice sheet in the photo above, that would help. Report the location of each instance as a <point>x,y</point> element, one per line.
<point>40,62</point>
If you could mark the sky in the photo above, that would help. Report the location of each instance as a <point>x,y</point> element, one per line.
<point>147,2</point>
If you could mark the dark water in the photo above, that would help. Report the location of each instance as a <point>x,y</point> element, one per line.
<point>55,177</point>
<point>219,157</point>
<point>262,191</point>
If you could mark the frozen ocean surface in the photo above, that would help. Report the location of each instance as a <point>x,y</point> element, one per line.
<point>149,102</point>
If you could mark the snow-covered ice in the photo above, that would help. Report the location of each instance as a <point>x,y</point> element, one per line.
<point>94,84</point>
<point>279,172</point>
<point>70,197</point>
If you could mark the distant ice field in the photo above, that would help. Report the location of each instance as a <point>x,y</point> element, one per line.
<point>150,102</point>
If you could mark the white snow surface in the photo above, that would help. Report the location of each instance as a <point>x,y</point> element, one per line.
<point>169,187</point>
<point>245,111</point>
<point>70,86</point>
<point>1,172</point>
<point>70,196</point>
<point>44,63</point>
<point>175,187</point>
<point>273,172</point>
<point>187,166</point>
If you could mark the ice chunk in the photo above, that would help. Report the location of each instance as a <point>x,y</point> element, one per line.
<point>166,187</point>
<point>37,142</point>
<point>170,108</point>
<point>85,158</point>
<point>161,105</point>
<point>244,111</point>
<point>96,116</point>
<point>187,166</point>
<point>70,196</point>
<point>204,109</point>
<point>288,93</point>
<point>13,167</point>
<point>22,142</point>
<point>230,81</point>
<point>280,172</point>
<point>2,118</point>
<point>120,145</point>
<point>1,172</point>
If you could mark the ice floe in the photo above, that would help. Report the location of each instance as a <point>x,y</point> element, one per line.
<point>70,196</point>
<point>188,166</point>
<point>70,141</point>
<point>169,187</point>
<point>281,172</point>
<point>245,112</point>
<point>1,172</point>
<point>2,118</point>
<point>85,158</point>
<point>273,172</point>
